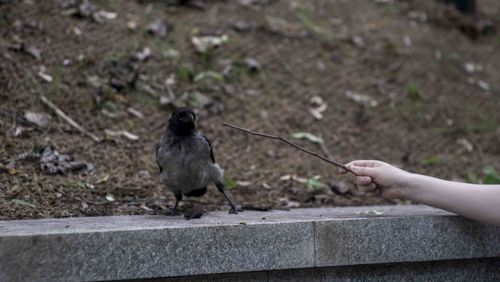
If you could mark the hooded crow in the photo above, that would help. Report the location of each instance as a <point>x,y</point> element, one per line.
<point>186,159</point>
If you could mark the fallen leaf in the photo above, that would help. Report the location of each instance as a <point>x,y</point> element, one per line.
<point>208,74</point>
<point>308,136</point>
<point>22,203</point>
<point>318,107</point>
<point>144,207</point>
<point>358,42</point>
<point>374,212</point>
<point>43,74</point>
<point>315,183</point>
<point>40,119</point>
<point>103,179</point>
<point>34,52</point>
<point>204,44</point>
<point>84,205</point>
<point>143,55</point>
<point>483,85</point>
<point>361,99</point>
<point>105,15</point>
<point>110,197</point>
<point>244,183</point>
<point>229,183</point>
<point>114,133</point>
<point>135,113</point>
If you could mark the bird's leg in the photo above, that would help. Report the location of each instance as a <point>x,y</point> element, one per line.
<point>220,186</point>
<point>178,198</point>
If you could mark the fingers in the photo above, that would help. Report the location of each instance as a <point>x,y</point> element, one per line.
<point>363,180</point>
<point>366,185</point>
<point>363,170</point>
<point>364,163</point>
<point>367,188</point>
<point>361,167</point>
<point>373,193</point>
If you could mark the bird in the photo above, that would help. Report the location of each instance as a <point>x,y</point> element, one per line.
<point>186,160</point>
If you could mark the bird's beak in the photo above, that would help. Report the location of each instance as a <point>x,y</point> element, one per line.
<point>187,119</point>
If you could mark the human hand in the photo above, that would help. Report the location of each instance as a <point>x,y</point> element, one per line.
<point>379,178</point>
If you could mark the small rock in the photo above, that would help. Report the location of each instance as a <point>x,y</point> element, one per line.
<point>407,41</point>
<point>158,28</point>
<point>244,26</point>
<point>358,42</point>
<point>144,174</point>
<point>252,65</point>
<point>342,186</point>
<point>143,55</point>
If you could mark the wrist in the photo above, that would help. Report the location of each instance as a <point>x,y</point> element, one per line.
<point>410,188</point>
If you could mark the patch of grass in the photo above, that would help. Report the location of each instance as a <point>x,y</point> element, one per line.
<point>306,18</point>
<point>454,60</point>
<point>491,175</point>
<point>477,121</point>
<point>186,72</point>
<point>432,160</point>
<point>229,183</point>
<point>316,184</point>
<point>412,92</point>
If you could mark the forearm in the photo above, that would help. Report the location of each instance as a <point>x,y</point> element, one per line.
<point>479,202</point>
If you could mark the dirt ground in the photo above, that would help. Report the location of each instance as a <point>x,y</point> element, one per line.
<point>409,82</point>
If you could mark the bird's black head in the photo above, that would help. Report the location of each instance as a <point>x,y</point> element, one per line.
<point>182,121</point>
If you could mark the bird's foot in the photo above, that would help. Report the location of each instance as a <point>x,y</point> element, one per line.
<point>233,210</point>
<point>173,212</point>
<point>193,213</point>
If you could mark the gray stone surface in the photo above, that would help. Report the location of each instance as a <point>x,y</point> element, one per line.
<point>132,247</point>
<point>386,240</point>
<point>483,270</point>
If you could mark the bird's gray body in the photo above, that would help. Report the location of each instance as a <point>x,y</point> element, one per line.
<point>186,162</point>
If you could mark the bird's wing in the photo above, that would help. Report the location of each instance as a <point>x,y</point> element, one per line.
<point>159,166</point>
<point>211,150</point>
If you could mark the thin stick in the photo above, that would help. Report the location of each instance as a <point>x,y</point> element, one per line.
<point>69,120</point>
<point>291,144</point>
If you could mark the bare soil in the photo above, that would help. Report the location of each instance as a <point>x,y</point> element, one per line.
<point>433,79</point>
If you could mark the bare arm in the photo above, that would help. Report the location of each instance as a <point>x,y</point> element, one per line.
<point>478,202</point>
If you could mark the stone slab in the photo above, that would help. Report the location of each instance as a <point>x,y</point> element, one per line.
<point>134,247</point>
<point>418,238</point>
<point>429,271</point>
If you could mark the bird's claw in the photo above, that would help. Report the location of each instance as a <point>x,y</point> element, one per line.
<point>173,212</point>
<point>233,210</point>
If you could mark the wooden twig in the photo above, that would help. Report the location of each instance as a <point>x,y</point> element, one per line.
<point>69,120</point>
<point>291,144</point>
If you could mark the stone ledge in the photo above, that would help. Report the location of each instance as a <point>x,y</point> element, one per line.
<point>132,247</point>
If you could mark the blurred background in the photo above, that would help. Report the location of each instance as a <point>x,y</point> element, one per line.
<point>87,87</point>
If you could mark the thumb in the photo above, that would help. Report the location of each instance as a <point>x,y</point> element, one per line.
<point>363,170</point>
